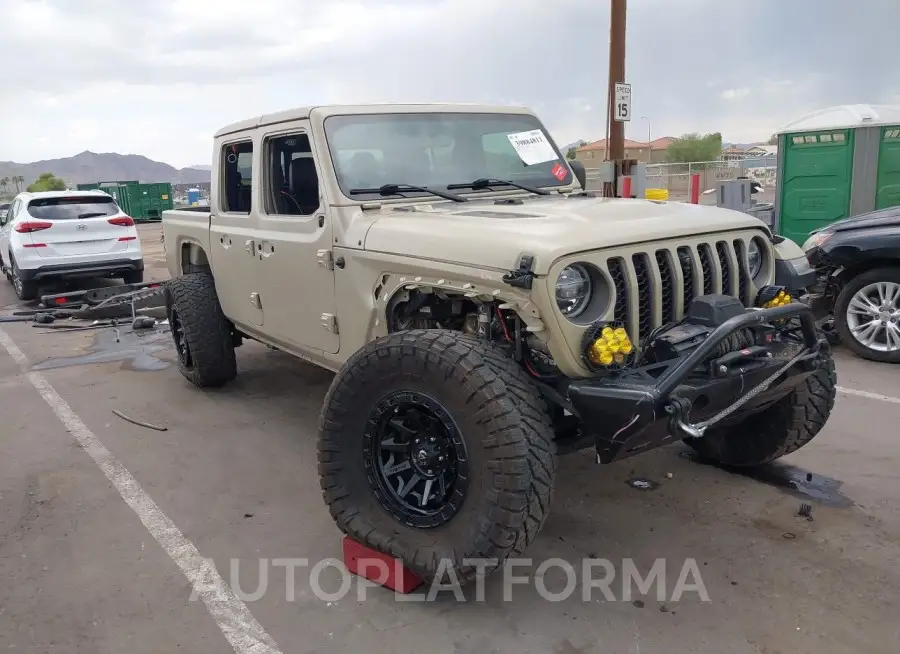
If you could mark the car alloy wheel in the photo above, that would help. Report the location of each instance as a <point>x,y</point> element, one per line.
<point>178,335</point>
<point>16,280</point>
<point>873,316</point>
<point>416,460</point>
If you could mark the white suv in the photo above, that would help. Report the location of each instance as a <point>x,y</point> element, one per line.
<point>63,234</point>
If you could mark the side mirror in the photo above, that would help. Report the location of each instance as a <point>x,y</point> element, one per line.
<point>580,174</point>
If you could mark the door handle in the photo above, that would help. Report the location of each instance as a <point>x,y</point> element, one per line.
<point>267,249</point>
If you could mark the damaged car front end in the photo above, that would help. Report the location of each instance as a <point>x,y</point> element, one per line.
<point>721,364</point>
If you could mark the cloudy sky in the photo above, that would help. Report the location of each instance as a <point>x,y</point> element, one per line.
<point>158,77</point>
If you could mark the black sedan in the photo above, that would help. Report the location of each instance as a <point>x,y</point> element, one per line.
<point>858,264</point>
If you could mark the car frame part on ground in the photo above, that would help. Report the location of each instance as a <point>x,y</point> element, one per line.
<point>857,261</point>
<point>60,235</point>
<point>484,314</point>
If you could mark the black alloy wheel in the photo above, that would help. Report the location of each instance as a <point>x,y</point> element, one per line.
<point>180,337</point>
<point>416,459</point>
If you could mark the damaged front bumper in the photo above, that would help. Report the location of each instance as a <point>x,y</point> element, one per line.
<point>643,408</point>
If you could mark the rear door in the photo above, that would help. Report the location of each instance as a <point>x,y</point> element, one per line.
<point>234,243</point>
<point>73,227</point>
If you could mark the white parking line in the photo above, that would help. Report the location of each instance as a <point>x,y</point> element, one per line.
<point>868,395</point>
<point>238,625</point>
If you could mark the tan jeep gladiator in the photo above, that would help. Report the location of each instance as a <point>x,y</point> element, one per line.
<point>484,313</point>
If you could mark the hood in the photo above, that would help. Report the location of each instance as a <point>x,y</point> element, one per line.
<point>494,233</point>
<point>880,219</point>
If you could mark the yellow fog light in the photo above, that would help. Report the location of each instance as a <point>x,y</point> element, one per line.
<point>770,297</point>
<point>779,300</point>
<point>609,346</point>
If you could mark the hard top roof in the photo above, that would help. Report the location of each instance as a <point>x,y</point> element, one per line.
<point>329,110</point>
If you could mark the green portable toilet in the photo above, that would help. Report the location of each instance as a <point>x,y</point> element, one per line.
<point>835,163</point>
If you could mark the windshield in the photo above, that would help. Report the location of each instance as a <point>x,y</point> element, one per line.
<point>72,207</point>
<point>440,149</point>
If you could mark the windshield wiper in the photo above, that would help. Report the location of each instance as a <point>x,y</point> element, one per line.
<point>484,182</point>
<point>91,214</point>
<point>397,189</point>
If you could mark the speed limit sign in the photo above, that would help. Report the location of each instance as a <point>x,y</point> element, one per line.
<point>622,103</point>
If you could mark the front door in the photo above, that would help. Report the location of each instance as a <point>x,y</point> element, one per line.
<point>296,277</point>
<point>5,228</point>
<point>234,241</point>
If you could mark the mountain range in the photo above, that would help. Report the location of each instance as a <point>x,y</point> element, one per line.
<point>105,167</point>
<point>90,166</point>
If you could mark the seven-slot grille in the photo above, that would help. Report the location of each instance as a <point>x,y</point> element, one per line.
<point>681,274</point>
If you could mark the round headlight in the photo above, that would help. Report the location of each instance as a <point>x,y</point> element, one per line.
<point>573,290</point>
<point>754,258</point>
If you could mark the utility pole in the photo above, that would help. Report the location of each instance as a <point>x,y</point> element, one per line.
<point>649,148</point>
<point>615,130</point>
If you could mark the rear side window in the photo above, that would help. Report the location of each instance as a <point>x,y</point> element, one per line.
<point>72,208</point>
<point>237,177</point>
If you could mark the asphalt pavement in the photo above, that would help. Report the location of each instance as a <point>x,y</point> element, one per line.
<point>207,537</point>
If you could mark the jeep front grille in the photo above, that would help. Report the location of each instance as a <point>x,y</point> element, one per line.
<point>654,288</point>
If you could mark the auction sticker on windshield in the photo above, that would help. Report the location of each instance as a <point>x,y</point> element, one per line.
<point>559,171</point>
<point>532,147</point>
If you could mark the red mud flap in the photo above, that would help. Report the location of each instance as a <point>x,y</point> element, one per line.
<point>378,568</point>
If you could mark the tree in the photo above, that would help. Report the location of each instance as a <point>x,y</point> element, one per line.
<point>47,182</point>
<point>4,185</point>
<point>571,153</point>
<point>773,140</point>
<point>18,179</point>
<point>691,148</point>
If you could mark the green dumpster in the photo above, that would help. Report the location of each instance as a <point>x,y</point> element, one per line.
<point>143,202</point>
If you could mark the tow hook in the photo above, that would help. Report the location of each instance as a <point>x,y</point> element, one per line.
<point>680,408</point>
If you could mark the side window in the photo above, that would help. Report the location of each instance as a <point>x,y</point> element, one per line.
<point>293,183</point>
<point>237,177</point>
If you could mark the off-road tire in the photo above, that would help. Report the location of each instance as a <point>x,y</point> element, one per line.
<point>782,428</point>
<point>507,432</point>
<point>136,277</point>
<point>843,302</point>
<point>192,303</point>
<point>25,290</point>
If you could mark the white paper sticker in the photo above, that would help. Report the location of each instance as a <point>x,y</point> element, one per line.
<point>532,147</point>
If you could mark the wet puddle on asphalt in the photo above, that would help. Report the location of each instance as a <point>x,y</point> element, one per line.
<point>796,481</point>
<point>135,349</point>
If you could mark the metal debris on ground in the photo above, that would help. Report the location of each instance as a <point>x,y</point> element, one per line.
<point>56,329</point>
<point>805,511</point>
<point>140,423</point>
<point>642,484</point>
<point>143,322</point>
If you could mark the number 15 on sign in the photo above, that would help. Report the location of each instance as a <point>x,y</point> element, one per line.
<point>622,103</point>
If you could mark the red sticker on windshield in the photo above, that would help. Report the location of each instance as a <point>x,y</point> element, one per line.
<point>559,171</point>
